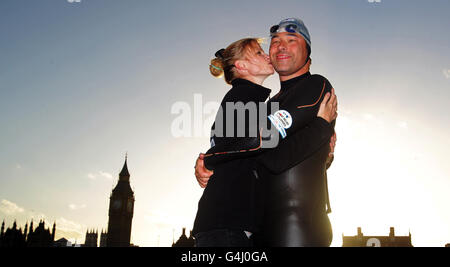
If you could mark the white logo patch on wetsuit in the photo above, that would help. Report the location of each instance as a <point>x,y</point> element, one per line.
<point>282,120</point>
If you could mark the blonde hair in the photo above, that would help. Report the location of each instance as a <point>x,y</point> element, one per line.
<point>223,64</point>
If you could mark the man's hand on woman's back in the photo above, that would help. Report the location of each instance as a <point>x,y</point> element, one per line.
<point>201,173</point>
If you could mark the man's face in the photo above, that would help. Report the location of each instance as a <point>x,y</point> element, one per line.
<point>288,53</point>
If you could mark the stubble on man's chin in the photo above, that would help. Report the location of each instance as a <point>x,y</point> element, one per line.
<point>284,70</point>
<point>278,70</point>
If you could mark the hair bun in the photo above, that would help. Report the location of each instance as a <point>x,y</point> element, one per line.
<point>219,54</point>
<point>216,67</point>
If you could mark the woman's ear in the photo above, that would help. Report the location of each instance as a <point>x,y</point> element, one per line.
<point>241,65</point>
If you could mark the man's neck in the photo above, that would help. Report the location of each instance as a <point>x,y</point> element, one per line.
<point>299,73</point>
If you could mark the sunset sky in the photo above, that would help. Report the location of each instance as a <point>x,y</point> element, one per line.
<point>81,84</point>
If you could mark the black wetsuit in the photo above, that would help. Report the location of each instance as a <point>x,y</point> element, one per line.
<point>233,199</point>
<point>296,200</point>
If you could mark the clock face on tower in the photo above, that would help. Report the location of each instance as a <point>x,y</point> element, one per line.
<point>117,204</point>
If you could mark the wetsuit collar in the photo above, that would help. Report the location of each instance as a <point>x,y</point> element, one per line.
<point>250,85</point>
<point>289,83</point>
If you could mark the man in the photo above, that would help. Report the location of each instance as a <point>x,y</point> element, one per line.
<point>295,199</point>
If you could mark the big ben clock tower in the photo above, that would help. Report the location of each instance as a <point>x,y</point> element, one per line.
<point>121,207</point>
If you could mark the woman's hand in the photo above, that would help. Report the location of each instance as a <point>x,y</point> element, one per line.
<point>332,147</point>
<point>328,107</point>
<point>201,173</point>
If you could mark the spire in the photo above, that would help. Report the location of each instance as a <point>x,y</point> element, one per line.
<point>124,174</point>
<point>26,230</point>
<point>54,231</point>
<point>3,228</point>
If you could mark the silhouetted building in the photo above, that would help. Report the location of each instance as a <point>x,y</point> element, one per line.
<point>12,237</point>
<point>376,241</point>
<point>62,243</point>
<point>103,239</point>
<point>39,237</point>
<point>91,240</point>
<point>184,241</point>
<point>121,207</point>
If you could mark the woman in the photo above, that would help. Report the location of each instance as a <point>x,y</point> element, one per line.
<point>230,210</point>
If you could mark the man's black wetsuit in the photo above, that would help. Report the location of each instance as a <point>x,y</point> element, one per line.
<point>233,199</point>
<point>296,200</point>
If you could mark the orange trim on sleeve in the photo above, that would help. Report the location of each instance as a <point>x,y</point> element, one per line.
<point>307,106</point>
<point>239,151</point>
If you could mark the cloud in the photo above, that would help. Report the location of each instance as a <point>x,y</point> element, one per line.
<point>64,227</point>
<point>100,174</point>
<point>403,125</point>
<point>72,231</point>
<point>14,211</point>
<point>446,73</point>
<point>18,166</point>
<point>76,207</point>
<point>36,215</point>
<point>10,208</point>
<point>106,175</point>
<point>368,116</point>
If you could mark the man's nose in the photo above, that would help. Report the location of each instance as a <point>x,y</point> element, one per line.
<point>282,46</point>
